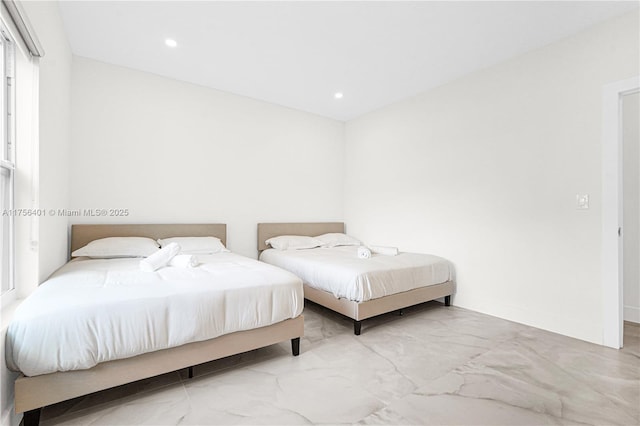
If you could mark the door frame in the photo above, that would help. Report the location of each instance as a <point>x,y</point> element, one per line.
<point>612,280</point>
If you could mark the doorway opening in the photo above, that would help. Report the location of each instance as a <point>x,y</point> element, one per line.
<point>631,217</point>
<point>613,209</point>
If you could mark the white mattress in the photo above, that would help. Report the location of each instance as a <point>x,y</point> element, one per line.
<point>339,271</point>
<point>91,311</point>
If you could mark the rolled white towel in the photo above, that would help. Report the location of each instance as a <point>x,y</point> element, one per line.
<point>364,252</point>
<point>387,251</point>
<point>160,258</point>
<point>184,261</point>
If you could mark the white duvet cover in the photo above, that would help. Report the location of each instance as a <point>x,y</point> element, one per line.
<point>91,310</point>
<point>339,271</point>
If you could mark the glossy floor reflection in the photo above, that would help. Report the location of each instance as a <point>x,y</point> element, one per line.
<point>433,365</point>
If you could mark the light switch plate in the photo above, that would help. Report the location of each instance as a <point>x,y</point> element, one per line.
<point>582,201</point>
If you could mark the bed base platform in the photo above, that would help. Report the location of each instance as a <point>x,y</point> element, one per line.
<point>359,311</point>
<point>33,393</point>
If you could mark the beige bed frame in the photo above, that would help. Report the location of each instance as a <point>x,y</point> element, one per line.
<point>32,393</point>
<point>357,311</point>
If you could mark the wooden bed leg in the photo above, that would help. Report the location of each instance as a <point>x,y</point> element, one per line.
<point>357,327</point>
<point>400,312</point>
<point>31,418</point>
<point>447,301</point>
<point>191,372</point>
<point>295,346</point>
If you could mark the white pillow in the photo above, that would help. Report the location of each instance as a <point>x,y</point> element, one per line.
<point>293,242</point>
<point>196,245</point>
<point>114,247</point>
<point>335,239</point>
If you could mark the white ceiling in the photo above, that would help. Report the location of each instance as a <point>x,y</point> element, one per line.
<point>298,54</point>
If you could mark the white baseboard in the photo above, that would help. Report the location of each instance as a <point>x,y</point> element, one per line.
<point>632,314</point>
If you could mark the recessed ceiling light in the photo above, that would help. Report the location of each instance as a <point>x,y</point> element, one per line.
<point>170,42</point>
<point>338,95</point>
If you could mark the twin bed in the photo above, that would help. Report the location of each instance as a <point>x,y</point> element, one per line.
<point>100,323</point>
<point>336,278</point>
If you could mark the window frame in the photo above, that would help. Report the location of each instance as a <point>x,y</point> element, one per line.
<point>7,158</point>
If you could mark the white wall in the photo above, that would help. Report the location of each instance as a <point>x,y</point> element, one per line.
<point>631,201</point>
<point>54,133</point>
<point>43,166</point>
<point>485,171</point>
<point>172,152</point>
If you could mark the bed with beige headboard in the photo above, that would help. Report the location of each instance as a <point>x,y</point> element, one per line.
<point>32,393</point>
<point>357,311</point>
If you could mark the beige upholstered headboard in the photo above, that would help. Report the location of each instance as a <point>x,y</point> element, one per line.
<point>268,230</point>
<point>81,235</point>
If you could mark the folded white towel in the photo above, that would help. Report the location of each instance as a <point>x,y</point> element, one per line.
<point>387,251</point>
<point>160,258</point>
<point>364,253</point>
<point>184,261</point>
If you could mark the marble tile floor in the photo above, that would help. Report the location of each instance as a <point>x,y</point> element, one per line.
<point>434,365</point>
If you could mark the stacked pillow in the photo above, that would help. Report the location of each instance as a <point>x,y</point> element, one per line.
<point>300,242</point>
<point>196,245</point>
<point>120,247</point>
<point>116,247</point>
